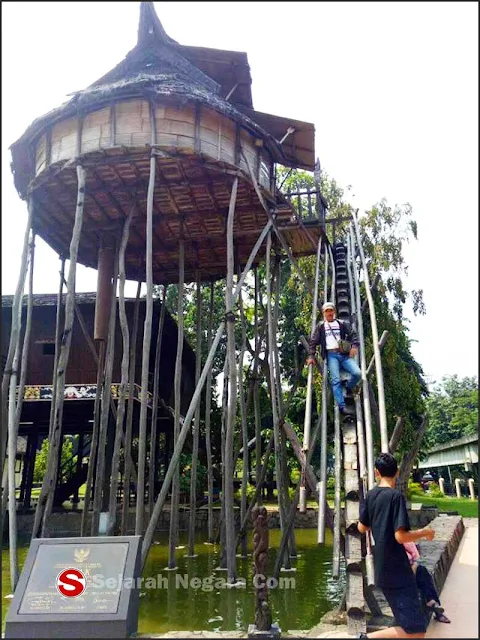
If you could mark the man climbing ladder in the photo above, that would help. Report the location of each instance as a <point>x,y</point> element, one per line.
<point>339,344</point>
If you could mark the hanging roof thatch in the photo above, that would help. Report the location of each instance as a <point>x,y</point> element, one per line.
<point>158,65</point>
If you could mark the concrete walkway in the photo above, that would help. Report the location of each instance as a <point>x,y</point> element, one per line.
<point>460,593</point>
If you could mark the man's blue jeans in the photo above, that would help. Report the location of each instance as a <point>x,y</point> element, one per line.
<point>335,362</point>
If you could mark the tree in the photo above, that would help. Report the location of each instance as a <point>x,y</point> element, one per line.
<point>384,230</point>
<point>453,410</point>
<point>42,457</point>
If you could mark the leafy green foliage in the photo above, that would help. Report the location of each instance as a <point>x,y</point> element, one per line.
<point>385,231</point>
<point>452,409</point>
<point>41,459</point>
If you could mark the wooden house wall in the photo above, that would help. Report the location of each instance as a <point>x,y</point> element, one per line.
<point>127,124</point>
<point>81,367</point>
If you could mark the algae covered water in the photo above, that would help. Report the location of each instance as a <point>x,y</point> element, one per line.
<point>194,597</point>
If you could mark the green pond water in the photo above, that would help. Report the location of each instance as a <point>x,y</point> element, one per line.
<point>172,607</point>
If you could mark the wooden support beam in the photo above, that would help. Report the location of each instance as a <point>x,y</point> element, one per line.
<point>147,336</point>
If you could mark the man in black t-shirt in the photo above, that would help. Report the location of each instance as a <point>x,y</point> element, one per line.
<point>384,512</point>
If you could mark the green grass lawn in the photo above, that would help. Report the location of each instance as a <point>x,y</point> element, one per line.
<point>465,507</point>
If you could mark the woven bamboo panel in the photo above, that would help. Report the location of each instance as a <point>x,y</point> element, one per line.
<point>192,188</point>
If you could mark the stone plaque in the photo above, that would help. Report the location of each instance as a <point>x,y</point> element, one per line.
<point>98,597</point>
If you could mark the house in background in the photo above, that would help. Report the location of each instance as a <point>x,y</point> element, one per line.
<point>80,387</point>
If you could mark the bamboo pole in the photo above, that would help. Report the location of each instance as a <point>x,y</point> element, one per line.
<point>48,487</point>
<point>148,538</point>
<point>17,302</point>
<point>23,373</point>
<point>256,390</point>
<point>322,485</point>
<point>337,503</point>
<point>308,403</point>
<point>105,406</point>
<point>156,386</point>
<point>221,529</point>
<point>175,495</point>
<point>196,423</point>
<point>273,391</point>
<point>282,485</point>
<point>286,248</point>
<point>57,345</point>
<point>310,475</point>
<point>208,404</point>
<point>376,350</point>
<point>122,393</point>
<point>92,461</point>
<point>381,343</point>
<point>26,338</point>
<point>243,414</point>
<point>363,367</point>
<point>12,454</point>
<point>232,395</point>
<point>129,427</point>
<point>147,336</point>
<point>293,507</point>
<point>358,405</point>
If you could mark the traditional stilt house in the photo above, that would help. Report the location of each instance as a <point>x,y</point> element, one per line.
<point>81,386</point>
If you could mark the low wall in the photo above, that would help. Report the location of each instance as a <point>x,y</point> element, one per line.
<point>67,523</point>
<point>437,556</point>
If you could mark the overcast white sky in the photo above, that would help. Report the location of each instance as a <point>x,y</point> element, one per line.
<point>392,89</point>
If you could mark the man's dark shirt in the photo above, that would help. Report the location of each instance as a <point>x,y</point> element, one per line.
<point>384,510</point>
<point>347,332</point>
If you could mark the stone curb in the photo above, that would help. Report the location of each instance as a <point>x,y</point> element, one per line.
<point>437,556</point>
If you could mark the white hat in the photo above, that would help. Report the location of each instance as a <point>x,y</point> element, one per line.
<point>328,305</point>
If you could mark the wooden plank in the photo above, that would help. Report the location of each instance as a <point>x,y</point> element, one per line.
<point>352,512</point>
<point>350,456</point>
<point>349,432</point>
<point>355,599</point>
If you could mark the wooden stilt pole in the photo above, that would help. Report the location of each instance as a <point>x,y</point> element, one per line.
<point>47,491</point>
<point>175,495</point>
<point>128,431</point>
<point>232,395</point>
<point>92,462</point>
<point>322,485</point>
<point>122,394</point>
<point>12,454</point>
<point>149,534</point>
<point>58,337</point>
<point>26,339</point>
<point>196,424</point>
<point>17,302</point>
<point>221,529</point>
<point>23,374</point>
<point>105,406</point>
<point>338,485</point>
<point>156,386</point>
<point>256,398</point>
<point>273,384</point>
<point>363,366</point>
<point>147,336</point>
<point>243,414</point>
<point>375,341</point>
<point>293,507</point>
<point>208,403</point>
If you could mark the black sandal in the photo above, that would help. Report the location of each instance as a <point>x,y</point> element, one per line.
<point>441,617</point>
<point>436,609</point>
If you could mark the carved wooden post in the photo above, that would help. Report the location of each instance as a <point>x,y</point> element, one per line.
<point>263,626</point>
